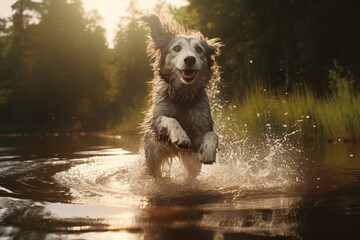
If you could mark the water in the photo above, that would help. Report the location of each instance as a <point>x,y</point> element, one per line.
<point>94,187</point>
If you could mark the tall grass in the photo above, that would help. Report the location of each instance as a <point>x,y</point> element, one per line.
<point>131,120</point>
<point>262,108</point>
<point>334,115</point>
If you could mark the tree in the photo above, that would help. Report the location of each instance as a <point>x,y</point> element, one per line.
<point>132,63</point>
<point>282,42</point>
<point>67,70</point>
<point>55,68</point>
<point>15,71</point>
<point>4,82</point>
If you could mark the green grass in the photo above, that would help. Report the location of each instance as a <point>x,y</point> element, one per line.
<point>332,116</point>
<point>261,108</point>
<point>131,121</point>
<point>336,115</point>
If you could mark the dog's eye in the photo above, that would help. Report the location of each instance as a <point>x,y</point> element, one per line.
<point>177,48</point>
<point>199,50</point>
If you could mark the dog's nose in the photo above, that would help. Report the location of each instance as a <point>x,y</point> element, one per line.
<point>190,60</point>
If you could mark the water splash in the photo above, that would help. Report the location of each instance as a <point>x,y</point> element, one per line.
<point>244,164</point>
<point>267,160</point>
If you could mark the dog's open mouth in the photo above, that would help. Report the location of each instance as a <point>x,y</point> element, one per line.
<point>188,75</point>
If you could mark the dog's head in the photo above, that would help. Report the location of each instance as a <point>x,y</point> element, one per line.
<point>183,58</point>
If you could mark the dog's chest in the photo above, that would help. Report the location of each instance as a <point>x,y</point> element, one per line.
<point>195,119</point>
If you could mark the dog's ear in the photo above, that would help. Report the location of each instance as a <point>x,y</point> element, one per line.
<point>214,45</point>
<point>158,34</point>
<point>212,49</point>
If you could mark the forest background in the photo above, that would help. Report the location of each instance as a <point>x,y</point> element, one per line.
<point>287,65</point>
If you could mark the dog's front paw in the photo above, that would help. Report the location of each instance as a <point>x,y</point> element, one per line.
<point>207,153</point>
<point>208,147</point>
<point>180,139</point>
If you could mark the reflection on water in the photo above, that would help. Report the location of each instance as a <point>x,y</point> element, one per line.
<point>92,187</point>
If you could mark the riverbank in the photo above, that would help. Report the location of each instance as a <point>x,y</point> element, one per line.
<point>332,116</point>
<point>261,109</point>
<point>300,112</point>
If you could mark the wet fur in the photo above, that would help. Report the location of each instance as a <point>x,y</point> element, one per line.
<point>179,122</point>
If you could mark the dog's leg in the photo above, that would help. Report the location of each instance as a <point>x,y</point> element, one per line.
<point>192,164</point>
<point>171,128</point>
<point>154,155</point>
<point>208,147</point>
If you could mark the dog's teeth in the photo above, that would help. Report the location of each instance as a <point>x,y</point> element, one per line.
<point>188,74</point>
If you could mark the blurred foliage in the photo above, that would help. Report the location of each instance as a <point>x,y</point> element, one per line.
<point>58,74</point>
<point>132,64</point>
<point>298,112</point>
<point>281,42</point>
<point>53,69</point>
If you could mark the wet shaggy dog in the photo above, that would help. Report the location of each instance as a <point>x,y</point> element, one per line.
<point>179,122</point>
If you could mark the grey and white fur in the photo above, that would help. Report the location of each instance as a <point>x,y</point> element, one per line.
<point>179,122</point>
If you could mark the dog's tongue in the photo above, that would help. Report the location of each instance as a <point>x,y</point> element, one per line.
<point>188,74</point>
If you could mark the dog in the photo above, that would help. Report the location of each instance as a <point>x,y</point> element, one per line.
<point>179,122</point>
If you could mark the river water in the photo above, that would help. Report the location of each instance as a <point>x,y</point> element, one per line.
<point>83,186</point>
